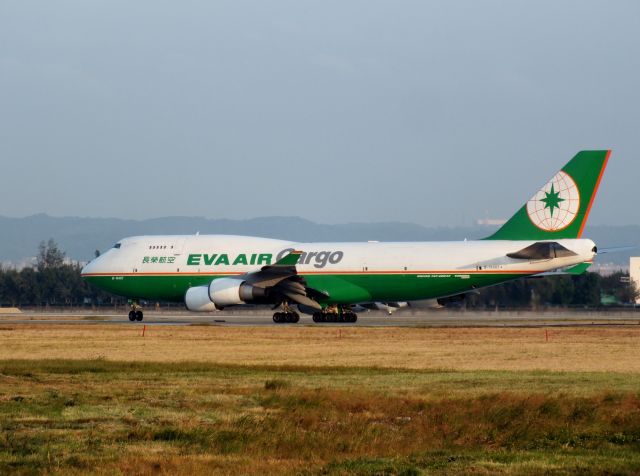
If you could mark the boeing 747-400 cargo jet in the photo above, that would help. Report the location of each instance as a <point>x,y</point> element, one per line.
<point>328,280</point>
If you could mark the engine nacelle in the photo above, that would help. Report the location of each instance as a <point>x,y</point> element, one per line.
<point>230,291</point>
<point>197,299</point>
<point>220,293</point>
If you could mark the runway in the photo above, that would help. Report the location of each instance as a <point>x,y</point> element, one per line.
<point>439,318</point>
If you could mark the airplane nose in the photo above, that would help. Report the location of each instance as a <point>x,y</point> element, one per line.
<point>89,268</point>
<point>85,269</point>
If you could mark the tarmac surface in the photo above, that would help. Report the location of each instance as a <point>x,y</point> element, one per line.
<point>437,318</point>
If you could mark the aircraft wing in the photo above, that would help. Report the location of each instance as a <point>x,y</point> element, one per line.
<point>284,281</point>
<point>272,274</point>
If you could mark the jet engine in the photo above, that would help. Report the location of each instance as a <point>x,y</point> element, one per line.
<point>220,293</point>
<point>229,291</point>
<point>197,299</point>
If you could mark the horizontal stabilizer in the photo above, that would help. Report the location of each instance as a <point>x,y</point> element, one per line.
<point>542,250</point>
<point>617,249</point>
<point>576,270</point>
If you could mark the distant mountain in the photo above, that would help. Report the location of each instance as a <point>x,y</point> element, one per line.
<point>80,237</point>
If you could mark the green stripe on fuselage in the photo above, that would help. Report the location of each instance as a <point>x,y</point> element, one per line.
<point>342,288</point>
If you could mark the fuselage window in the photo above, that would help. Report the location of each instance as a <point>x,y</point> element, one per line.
<point>117,245</point>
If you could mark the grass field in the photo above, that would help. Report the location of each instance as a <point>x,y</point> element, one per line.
<point>196,400</point>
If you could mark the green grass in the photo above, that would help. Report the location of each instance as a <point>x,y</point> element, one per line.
<point>121,418</point>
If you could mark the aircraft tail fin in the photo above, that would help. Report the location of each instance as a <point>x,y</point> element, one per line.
<point>561,207</point>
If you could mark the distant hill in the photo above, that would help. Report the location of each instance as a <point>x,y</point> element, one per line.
<point>80,237</point>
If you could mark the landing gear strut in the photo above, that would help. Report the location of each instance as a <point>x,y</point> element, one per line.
<point>135,314</point>
<point>335,315</point>
<point>288,315</point>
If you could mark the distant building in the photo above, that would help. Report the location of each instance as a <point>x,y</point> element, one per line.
<point>606,269</point>
<point>634,272</point>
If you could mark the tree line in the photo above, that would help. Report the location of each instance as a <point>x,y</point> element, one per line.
<point>54,281</point>
<point>585,290</point>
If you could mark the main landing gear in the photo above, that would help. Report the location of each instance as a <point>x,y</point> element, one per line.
<point>330,314</point>
<point>335,315</point>
<point>286,316</point>
<point>135,314</point>
<point>290,317</point>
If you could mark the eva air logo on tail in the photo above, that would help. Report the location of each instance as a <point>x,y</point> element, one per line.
<point>556,205</point>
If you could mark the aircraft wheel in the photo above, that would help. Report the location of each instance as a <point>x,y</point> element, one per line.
<point>295,317</point>
<point>139,316</point>
<point>277,318</point>
<point>132,316</point>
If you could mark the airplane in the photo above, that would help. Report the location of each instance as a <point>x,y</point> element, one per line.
<point>332,280</point>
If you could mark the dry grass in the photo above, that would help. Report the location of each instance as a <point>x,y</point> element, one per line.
<point>202,400</point>
<point>598,349</point>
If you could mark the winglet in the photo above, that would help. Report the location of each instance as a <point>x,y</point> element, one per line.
<point>289,260</point>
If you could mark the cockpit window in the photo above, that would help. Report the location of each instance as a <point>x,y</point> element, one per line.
<point>117,245</point>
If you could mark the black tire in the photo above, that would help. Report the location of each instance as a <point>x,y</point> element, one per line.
<point>132,316</point>
<point>296,318</point>
<point>276,318</point>
<point>139,316</point>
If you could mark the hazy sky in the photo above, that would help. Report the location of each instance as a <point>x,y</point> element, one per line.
<point>430,112</point>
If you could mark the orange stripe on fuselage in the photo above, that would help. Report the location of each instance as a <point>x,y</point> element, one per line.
<point>231,273</point>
